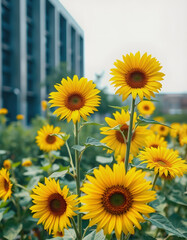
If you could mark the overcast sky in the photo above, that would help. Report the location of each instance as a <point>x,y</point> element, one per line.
<point>113,28</point>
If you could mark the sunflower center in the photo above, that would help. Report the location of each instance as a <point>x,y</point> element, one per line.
<point>154,146</point>
<point>162,162</point>
<point>117,200</point>
<point>146,107</point>
<point>75,102</point>
<point>6,185</point>
<point>162,128</point>
<point>57,204</point>
<point>124,128</point>
<point>50,139</point>
<point>136,79</point>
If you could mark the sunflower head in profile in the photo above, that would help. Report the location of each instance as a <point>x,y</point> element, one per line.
<point>75,98</point>
<point>146,107</point>
<point>155,141</point>
<point>53,206</point>
<point>165,162</point>
<point>115,200</point>
<point>116,139</point>
<point>48,142</point>
<point>137,75</point>
<point>183,134</point>
<point>5,184</point>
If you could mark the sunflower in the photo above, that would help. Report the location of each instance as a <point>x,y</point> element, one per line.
<point>119,159</point>
<point>5,184</point>
<point>7,164</point>
<point>155,141</point>
<point>46,142</point>
<point>137,75</point>
<point>75,98</point>
<point>27,162</point>
<point>44,105</point>
<point>19,117</point>
<point>3,111</point>
<point>115,200</point>
<point>115,139</point>
<point>146,107</point>
<point>183,134</point>
<point>161,130</point>
<point>175,128</point>
<point>53,206</point>
<point>166,162</point>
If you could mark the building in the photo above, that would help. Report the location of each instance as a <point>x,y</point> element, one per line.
<point>35,36</point>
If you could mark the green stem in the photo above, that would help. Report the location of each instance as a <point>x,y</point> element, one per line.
<point>77,163</point>
<point>24,188</point>
<point>75,228</point>
<point>129,136</point>
<point>70,157</point>
<point>154,181</point>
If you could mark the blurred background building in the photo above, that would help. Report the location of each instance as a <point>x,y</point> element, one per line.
<point>35,37</point>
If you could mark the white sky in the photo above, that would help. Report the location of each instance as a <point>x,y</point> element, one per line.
<point>113,28</point>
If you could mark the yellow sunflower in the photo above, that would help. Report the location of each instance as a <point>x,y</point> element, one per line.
<point>146,107</point>
<point>137,75</point>
<point>19,117</point>
<point>53,206</point>
<point>165,162</point>
<point>115,200</point>
<point>115,139</point>
<point>183,134</point>
<point>155,141</point>
<point>27,162</point>
<point>46,142</point>
<point>161,130</point>
<point>7,164</point>
<point>5,184</point>
<point>175,129</point>
<point>75,98</point>
<point>119,159</point>
<point>44,105</point>
<point>3,111</point>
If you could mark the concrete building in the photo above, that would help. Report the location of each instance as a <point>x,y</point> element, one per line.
<point>35,36</point>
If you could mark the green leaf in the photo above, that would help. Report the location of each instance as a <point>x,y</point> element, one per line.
<point>162,222</point>
<point>59,174</point>
<point>177,199</point>
<point>79,148</point>
<point>33,182</point>
<point>141,121</point>
<point>125,108</point>
<point>90,123</point>
<point>63,136</point>
<point>11,232</point>
<point>94,142</point>
<point>1,213</point>
<point>9,215</point>
<point>104,160</point>
<point>14,165</point>
<point>33,171</point>
<point>177,221</point>
<point>95,236</point>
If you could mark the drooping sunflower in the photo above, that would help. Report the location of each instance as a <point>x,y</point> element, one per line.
<point>115,200</point>
<point>137,75</point>
<point>53,206</point>
<point>155,141</point>
<point>75,98</point>
<point>165,162</point>
<point>46,142</point>
<point>175,129</point>
<point>5,184</point>
<point>115,139</point>
<point>146,107</point>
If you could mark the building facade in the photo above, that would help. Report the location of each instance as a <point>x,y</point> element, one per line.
<point>35,37</point>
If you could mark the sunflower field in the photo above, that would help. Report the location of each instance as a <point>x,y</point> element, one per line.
<point>68,176</point>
